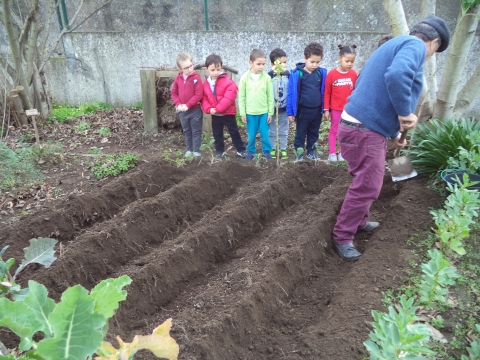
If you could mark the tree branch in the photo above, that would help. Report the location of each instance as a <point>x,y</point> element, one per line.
<point>26,28</point>
<point>45,60</point>
<point>396,17</point>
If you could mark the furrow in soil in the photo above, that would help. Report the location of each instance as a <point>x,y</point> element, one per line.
<point>142,226</point>
<point>79,212</point>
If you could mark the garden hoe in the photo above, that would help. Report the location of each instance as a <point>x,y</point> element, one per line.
<point>401,167</point>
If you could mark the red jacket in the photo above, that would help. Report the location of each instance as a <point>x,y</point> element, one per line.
<point>224,99</point>
<point>188,92</point>
<point>338,88</point>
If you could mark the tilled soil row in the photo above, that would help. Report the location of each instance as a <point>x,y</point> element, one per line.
<point>139,229</point>
<point>170,270</point>
<point>225,316</point>
<point>79,212</point>
<point>287,295</point>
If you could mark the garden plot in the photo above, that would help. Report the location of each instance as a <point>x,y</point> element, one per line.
<point>238,255</point>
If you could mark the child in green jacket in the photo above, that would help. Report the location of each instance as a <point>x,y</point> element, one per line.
<point>255,103</point>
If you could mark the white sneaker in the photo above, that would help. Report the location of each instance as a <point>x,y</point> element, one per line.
<point>340,158</point>
<point>332,157</point>
<point>188,153</point>
<point>196,153</point>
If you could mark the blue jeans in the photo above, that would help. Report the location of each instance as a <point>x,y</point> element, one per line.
<point>258,123</point>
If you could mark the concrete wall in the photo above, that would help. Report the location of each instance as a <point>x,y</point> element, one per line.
<point>105,66</point>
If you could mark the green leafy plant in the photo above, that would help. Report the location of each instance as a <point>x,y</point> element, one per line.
<point>396,334</point>
<point>18,169</point>
<point>47,153</point>
<point>468,160</point>
<point>474,348</point>
<point>63,112</point>
<point>40,252</point>
<point>209,146</point>
<point>104,131</point>
<point>297,153</point>
<point>257,157</point>
<point>438,274</point>
<point>75,327</point>
<point>455,219</point>
<point>82,128</point>
<point>436,141</point>
<point>113,164</point>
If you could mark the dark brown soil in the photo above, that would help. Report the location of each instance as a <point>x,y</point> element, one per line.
<point>238,255</point>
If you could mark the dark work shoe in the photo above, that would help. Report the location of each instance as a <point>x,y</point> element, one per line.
<point>346,251</point>
<point>369,226</point>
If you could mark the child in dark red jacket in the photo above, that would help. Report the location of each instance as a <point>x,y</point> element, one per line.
<point>187,93</point>
<point>219,94</point>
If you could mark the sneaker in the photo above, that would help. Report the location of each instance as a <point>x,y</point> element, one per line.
<point>283,155</point>
<point>332,158</point>
<point>273,153</point>
<point>197,154</point>
<point>347,251</point>
<point>299,157</point>
<point>188,153</point>
<point>340,158</point>
<point>266,155</point>
<point>312,155</point>
<point>242,154</point>
<point>249,155</point>
<point>369,226</point>
<point>219,155</point>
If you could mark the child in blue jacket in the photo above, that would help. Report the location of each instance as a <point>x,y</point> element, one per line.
<point>306,87</point>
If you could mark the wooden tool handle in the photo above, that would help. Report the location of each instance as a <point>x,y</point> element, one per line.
<point>402,138</point>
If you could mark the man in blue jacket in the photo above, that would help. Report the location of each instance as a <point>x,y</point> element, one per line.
<point>382,105</point>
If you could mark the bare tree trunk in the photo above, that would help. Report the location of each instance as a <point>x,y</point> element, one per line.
<point>14,47</point>
<point>396,17</point>
<point>468,94</point>
<point>456,59</point>
<point>17,103</point>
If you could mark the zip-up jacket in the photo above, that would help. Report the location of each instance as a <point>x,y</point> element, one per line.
<point>255,97</point>
<point>280,83</point>
<point>294,87</point>
<point>222,98</point>
<point>188,92</point>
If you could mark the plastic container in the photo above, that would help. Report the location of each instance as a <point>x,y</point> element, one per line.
<point>450,178</point>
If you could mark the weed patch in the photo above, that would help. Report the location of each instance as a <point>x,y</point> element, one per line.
<point>113,164</point>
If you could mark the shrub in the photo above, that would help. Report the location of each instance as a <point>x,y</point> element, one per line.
<point>436,141</point>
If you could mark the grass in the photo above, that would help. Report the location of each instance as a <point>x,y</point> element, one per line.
<point>63,112</point>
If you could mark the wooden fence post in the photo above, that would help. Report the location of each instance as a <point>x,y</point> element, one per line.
<point>149,101</point>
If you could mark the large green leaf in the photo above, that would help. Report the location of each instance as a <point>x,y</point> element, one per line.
<point>75,327</point>
<point>108,294</point>
<point>40,251</point>
<point>19,318</point>
<point>38,301</point>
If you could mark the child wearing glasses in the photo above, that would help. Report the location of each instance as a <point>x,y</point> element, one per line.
<point>187,93</point>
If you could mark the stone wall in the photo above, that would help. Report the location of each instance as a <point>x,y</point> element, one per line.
<point>105,66</point>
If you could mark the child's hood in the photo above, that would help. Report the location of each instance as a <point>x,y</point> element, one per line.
<point>299,66</point>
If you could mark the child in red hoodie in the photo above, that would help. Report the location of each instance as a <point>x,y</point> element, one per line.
<point>219,94</point>
<point>187,92</point>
